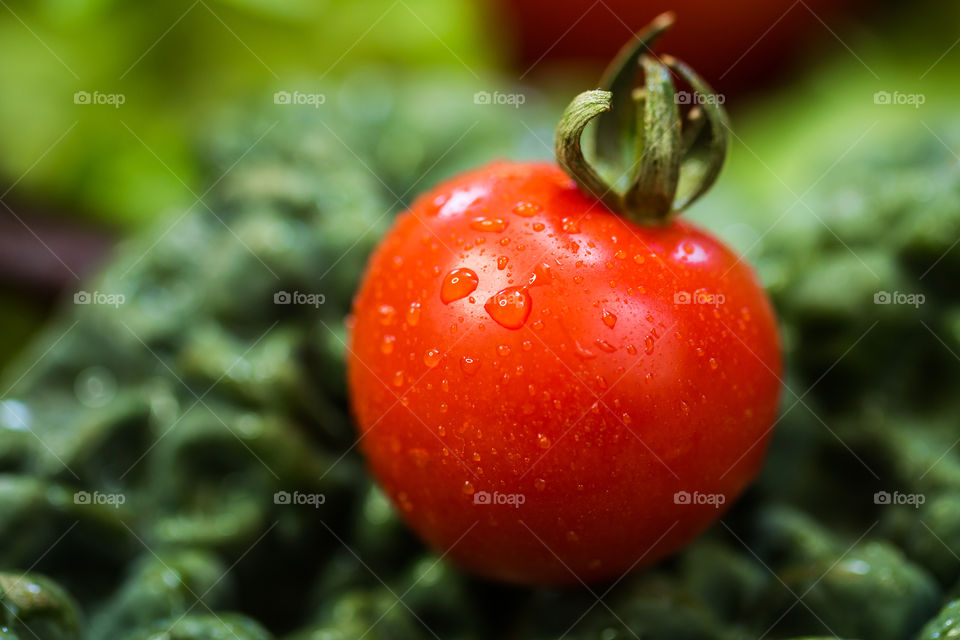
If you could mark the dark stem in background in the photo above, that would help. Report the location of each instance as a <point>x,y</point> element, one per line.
<point>43,257</point>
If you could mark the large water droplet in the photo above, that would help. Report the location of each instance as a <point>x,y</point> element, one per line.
<point>527,209</point>
<point>510,307</point>
<point>604,345</point>
<point>459,283</point>
<point>488,224</point>
<point>608,318</point>
<point>431,358</point>
<point>469,365</point>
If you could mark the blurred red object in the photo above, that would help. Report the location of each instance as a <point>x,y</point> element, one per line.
<point>733,44</point>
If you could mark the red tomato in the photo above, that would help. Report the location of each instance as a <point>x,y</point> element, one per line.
<point>550,393</point>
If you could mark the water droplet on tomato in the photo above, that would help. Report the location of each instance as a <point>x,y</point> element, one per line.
<point>620,254</point>
<point>603,345</point>
<point>582,351</point>
<point>527,209</point>
<point>503,350</point>
<point>539,484</point>
<point>413,314</point>
<point>431,358</point>
<point>420,457</point>
<point>714,364</point>
<point>632,350</point>
<point>542,274</point>
<point>570,225</point>
<point>543,441</point>
<point>526,345</point>
<point>458,284</point>
<point>398,379</point>
<point>510,307</point>
<point>386,345</point>
<point>385,314</point>
<point>489,224</point>
<point>609,319</point>
<point>468,487</point>
<point>502,262</point>
<point>469,365</point>
<point>648,345</point>
<point>538,226</point>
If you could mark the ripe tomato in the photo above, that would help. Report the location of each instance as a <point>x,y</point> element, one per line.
<point>549,392</point>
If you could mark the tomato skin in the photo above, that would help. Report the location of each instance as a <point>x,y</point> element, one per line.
<point>611,396</point>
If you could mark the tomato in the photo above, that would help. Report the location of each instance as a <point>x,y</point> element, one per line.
<point>555,380</point>
<point>512,338</point>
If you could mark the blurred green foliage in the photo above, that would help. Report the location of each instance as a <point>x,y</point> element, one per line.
<point>175,64</point>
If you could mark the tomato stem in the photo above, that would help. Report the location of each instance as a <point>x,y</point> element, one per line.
<point>647,161</point>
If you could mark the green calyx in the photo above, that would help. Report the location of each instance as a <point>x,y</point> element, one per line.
<point>647,161</point>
